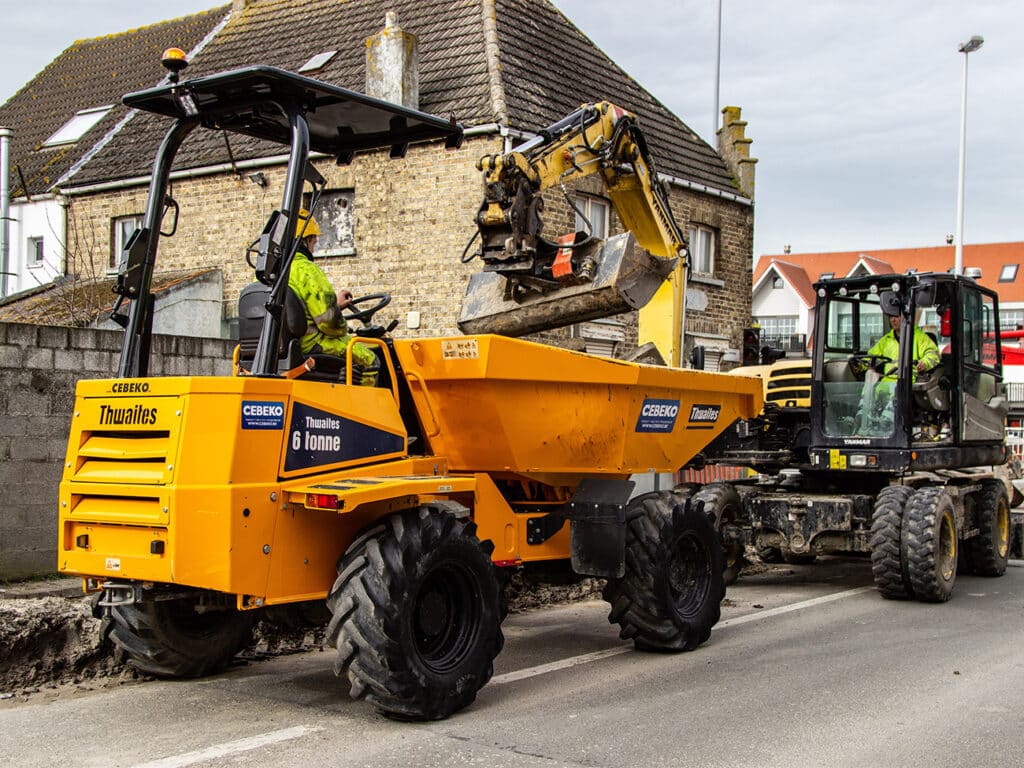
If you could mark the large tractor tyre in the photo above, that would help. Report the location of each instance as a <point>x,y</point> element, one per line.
<point>723,507</point>
<point>931,544</point>
<point>989,550</point>
<point>888,561</point>
<point>170,638</point>
<point>416,615</point>
<point>670,596</point>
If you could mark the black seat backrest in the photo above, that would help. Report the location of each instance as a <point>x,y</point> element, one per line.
<point>252,308</point>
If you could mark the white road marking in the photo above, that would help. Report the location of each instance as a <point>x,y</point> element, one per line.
<point>231,748</point>
<point>575,661</point>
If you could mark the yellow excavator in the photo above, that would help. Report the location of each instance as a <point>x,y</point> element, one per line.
<point>195,504</point>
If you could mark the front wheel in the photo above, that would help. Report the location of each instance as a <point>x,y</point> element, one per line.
<point>180,637</point>
<point>416,615</point>
<point>888,563</point>
<point>670,596</point>
<point>931,544</point>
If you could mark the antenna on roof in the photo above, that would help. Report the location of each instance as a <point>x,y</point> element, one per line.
<point>174,60</point>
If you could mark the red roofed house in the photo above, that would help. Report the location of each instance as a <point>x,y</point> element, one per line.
<point>783,292</point>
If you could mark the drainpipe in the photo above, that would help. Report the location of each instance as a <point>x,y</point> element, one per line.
<point>5,207</point>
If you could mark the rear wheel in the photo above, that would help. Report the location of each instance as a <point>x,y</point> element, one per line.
<point>181,637</point>
<point>888,563</point>
<point>989,550</point>
<point>416,615</point>
<point>931,544</point>
<point>723,507</point>
<point>670,596</point>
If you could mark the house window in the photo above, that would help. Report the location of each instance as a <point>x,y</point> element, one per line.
<point>777,283</point>
<point>123,228</point>
<point>35,252</point>
<point>1011,319</point>
<point>783,325</point>
<point>702,250</point>
<point>77,126</point>
<point>594,210</point>
<point>1008,273</point>
<point>336,216</point>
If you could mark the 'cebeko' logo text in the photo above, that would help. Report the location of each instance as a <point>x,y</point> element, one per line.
<point>704,413</point>
<point>257,414</point>
<point>657,415</point>
<point>138,414</point>
<point>120,387</point>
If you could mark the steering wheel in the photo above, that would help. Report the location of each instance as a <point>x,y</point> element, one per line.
<point>863,362</point>
<point>366,315</point>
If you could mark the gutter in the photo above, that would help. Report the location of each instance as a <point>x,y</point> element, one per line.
<point>5,207</point>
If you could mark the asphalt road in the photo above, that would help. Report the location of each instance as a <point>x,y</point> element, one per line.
<point>808,668</point>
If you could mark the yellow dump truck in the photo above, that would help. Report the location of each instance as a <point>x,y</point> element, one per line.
<point>193,504</point>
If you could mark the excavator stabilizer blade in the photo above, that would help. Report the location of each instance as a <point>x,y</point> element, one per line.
<point>626,278</point>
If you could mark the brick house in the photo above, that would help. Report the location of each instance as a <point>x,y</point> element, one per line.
<point>504,69</point>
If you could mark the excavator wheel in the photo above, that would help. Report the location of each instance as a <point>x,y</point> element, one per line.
<point>987,552</point>
<point>723,507</point>
<point>416,615</point>
<point>888,563</point>
<point>931,544</point>
<point>671,594</point>
<point>170,638</point>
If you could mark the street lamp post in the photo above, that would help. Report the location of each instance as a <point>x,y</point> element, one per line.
<point>965,48</point>
<point>718,72</point>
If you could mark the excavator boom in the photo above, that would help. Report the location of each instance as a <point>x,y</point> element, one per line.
<point>529,283</point>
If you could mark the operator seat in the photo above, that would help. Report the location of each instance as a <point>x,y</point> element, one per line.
<point>251,311</point>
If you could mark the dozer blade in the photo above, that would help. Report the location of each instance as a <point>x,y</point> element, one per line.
<point>626,278</point>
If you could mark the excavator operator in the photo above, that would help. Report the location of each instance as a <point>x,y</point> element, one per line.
<point>326,329</point>
<point>925,350</point>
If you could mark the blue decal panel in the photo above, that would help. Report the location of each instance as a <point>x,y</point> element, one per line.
<point>260,414</point>
<point>657,415</point>
<point>317,438</point>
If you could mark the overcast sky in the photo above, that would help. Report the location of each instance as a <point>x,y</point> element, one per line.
<point>853,106</point>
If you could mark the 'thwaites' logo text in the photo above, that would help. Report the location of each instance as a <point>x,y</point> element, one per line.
<point>136,415</point>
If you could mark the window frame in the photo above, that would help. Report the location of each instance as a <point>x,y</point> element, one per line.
<point>585,205</point>
<point>697,230</point>
<point>83,121</point>
<point>116,243</point>
<point>35,251</point>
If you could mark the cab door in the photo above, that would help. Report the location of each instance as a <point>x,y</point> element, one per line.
<point>983,403</point>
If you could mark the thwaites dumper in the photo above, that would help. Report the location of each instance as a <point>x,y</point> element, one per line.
<point>196,503</point>
<point>881,458</point>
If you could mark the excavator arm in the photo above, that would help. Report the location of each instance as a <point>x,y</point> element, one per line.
<point>530,283</point>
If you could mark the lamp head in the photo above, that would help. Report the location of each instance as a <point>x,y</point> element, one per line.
<point>972,45</point>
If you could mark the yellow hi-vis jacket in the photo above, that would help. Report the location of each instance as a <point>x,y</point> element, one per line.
<point>889,346</point>
<point>325,326</point>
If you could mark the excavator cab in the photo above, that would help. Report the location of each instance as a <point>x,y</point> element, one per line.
<point>873,408</point>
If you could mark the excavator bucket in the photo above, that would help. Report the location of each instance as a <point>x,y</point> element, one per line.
<point>626,278</point>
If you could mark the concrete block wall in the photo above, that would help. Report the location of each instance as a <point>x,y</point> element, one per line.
<point>39,366</point>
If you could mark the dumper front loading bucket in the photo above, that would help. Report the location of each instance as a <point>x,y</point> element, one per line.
<point>626,278</point>
<point>494,404</point>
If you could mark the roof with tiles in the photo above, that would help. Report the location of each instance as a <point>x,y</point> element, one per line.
<point>90,73</point>
<point>997,261</point>
<point>547,68</point>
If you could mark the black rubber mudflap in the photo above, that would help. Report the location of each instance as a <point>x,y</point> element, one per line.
<point>598,515</point>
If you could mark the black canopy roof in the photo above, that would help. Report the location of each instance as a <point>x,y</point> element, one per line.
<point>340,121</point>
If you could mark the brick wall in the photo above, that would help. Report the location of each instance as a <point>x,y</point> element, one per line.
<point>39,366</point>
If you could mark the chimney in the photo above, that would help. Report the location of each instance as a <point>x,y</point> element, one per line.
<point>734,147</point>
<point>392,65</point>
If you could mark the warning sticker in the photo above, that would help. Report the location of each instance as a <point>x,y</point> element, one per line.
<point>460,349</point>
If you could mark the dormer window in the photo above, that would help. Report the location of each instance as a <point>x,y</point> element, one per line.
<point>78,126</point>
<point>318,61</point>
